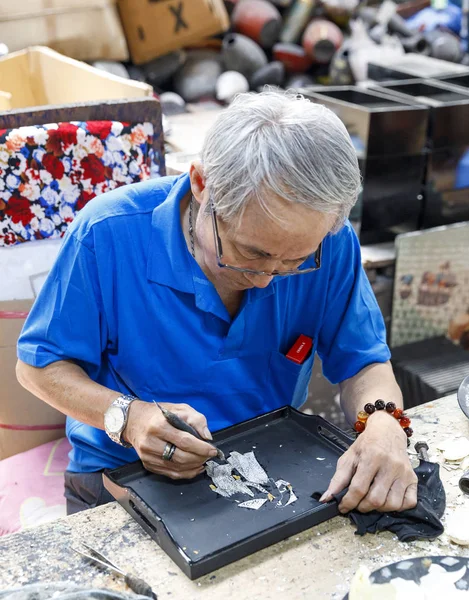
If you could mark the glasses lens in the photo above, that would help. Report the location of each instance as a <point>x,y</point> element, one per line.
<point>301,270</point>
<point>312,264</point>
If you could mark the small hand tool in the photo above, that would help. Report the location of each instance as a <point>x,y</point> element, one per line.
<point>463,401</point>
<point>422,450</point>
<point>178,423</point>
<point>464,483</point>
<point>463,396</point>
<point>137,585</point>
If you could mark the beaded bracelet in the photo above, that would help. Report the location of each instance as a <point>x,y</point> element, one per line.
<point>390,408</point>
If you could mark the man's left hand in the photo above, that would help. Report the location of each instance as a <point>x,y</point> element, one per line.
<point>377,470</point>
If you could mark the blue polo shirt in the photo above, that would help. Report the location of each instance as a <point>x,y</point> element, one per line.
<point>127,302</point>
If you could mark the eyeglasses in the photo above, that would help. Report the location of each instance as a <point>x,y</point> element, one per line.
<point>219,249</point>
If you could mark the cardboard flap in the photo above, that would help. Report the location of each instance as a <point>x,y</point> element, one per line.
<point>87,30</point>
<point>40,76</point>
<point>27,9</point>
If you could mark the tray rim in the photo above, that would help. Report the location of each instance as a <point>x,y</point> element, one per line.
<point>142,513</point>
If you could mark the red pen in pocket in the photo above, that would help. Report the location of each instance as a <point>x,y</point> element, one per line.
<point>300,350</point>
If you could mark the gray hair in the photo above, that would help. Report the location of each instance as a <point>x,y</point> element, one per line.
<point>280,143</point>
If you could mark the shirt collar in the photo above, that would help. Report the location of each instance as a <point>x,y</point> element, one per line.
<point>168,257</point>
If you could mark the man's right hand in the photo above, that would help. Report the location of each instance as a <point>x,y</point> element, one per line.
<point>149,432</point>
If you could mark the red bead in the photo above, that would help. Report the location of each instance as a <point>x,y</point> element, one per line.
<point>370,408</point>
<point>359,427</point>
<point>380,404</point>
<point>404,421</point>
<point>408,431</point>
<point>398,413</point>
<point>390,407</point>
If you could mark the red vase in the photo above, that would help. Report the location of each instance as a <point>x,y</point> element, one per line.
<point>294,57</point>
<point>258,20</point>
<point>321,40</point>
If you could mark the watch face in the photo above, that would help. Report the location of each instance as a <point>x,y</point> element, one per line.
<point>114,419</point>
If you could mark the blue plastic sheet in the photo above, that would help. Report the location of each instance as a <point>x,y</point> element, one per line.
<point>430,19</point>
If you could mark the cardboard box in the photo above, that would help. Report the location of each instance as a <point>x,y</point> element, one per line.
<point>82,29</point>
<point>5,101</point>
<point>156,27</point>
<point>39,76</point>
<point>25,421</point>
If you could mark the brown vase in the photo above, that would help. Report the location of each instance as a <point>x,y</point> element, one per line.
<point>258,20</point>
<point>294,57</point>
<point>321,40</point>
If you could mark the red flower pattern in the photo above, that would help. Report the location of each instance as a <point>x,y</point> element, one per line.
<point>84,198</point>
<point>93,169</point>
<point>19,210</point>
<point>32,199</point>
<point>8,239</point>
<point>54,165</point>
<point>100,129</point>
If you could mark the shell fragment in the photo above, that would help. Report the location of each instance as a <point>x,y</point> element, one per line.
<point>454,450</point>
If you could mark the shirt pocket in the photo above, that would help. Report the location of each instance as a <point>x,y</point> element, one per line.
<point>289,379</point>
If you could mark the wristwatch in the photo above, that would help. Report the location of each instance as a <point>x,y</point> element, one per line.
<point>115,419</point>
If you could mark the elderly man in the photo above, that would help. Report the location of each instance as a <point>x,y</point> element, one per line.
<point>191,290</point>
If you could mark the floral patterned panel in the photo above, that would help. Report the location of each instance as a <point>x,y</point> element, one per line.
<point>49,172</point>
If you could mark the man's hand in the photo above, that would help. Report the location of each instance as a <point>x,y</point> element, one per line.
<point>377,470</point>
<point>149,432</point>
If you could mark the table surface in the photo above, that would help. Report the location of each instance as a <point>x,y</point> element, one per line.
<point>321,560</point>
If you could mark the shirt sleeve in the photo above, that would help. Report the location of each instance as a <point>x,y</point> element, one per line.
<point>66,321</point>
<point>352,334</point>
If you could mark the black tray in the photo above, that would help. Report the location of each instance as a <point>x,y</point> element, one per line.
<point>202,531</point>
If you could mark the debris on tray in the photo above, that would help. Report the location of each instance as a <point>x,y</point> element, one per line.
<point>284,486</point>
<point>248,467</point>
<point>242,474</point>
<point>253,504</point>
<point>225,484</point>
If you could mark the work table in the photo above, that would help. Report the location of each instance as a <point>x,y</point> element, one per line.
<point>317,563</point>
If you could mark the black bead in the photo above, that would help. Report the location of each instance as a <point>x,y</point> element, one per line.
<point>408,431</point>
<point>369,408</point>
<point>390,407</point>
<point>380,404</point>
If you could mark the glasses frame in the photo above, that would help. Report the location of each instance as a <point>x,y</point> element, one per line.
<point>222,265</point>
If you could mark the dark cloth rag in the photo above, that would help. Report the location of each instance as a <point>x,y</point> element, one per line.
<point>419,523</point>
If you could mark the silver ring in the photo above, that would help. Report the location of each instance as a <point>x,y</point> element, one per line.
<point>169,451</point>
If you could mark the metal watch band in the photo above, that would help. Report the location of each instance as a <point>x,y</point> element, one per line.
<point>124,402</point>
